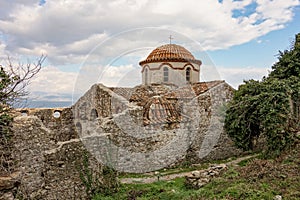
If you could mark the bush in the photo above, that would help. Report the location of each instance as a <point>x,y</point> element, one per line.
<point>269,107</point>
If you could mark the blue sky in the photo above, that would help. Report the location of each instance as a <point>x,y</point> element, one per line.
<point>103,41</point>
<point>262,51</point>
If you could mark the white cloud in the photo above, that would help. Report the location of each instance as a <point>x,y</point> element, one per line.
<point>236,76</point>
<point>54,81</point>
<point>111,76</point>
<point>67,31</point>
<point>60,85</point>
<point>125,76</point>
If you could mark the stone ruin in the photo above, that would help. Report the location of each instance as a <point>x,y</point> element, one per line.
<point>149,127</point>
<point>137,129</point>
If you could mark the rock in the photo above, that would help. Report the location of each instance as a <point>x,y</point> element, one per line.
<point>277,197</point>
<point>219,167</point>
<point>7,196</point>
<point>196,173</point>
<point>223,166</point>
<point>8,182</point>
<point>197,179</point>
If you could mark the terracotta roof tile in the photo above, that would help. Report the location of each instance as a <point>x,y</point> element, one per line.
<point>169,53</point>
<point>160,102</point>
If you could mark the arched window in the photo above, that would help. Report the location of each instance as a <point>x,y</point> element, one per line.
<point>94,114</point>
<point>188,74</point>
<point>146,76</point>
<point>166,74</point>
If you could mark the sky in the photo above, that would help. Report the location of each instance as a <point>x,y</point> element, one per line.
<point>88,42</point>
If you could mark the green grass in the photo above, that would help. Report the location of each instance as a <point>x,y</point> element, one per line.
<point>173,189</point>
<point>175,170</point>
<point>252,179</point>
<point>228,186</point>
<point>219,188</point>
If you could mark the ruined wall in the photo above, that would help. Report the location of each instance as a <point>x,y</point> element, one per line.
<point>212,143</point>
<point>49,145</point>
<point>48,156</point>
<point>119,136</point>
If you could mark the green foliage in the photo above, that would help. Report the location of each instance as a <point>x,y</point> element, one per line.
<point>268,108</point>
<point>255,178</point>
<point>5,81</point>
<point>104,181</point>
<point>174,189</point>
<point>224,187</point>
<point>5,118</point>
<point>110,183</point>
<point>289,62</point>
<point>5,122</point>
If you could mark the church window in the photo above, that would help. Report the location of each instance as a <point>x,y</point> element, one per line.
<point>146,76</point>
<point>188,74</point>
<point>166,74</point>
<point>94,114</point>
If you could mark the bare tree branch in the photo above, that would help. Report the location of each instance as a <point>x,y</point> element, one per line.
<point>18,78</point>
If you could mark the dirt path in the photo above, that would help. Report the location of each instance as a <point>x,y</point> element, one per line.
<point>176,175</point>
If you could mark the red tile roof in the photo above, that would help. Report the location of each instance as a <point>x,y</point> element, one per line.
<point>160,101</point>
<point>170,53</point>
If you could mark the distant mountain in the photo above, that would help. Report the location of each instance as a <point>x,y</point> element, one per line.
<point>43,104</point>
<point>45,100</point>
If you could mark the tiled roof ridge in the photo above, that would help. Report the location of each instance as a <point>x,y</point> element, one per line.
<point>170,52</point>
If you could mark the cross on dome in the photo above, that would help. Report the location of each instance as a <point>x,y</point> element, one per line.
<point>170,37</point>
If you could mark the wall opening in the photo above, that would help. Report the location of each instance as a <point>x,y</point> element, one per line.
<point>166,74</point>
<point>146,76</point>
<point>57,114</point>
<point>79,127</point>
<point>188,74</point>
<point>24,112</point>
<point>94,114</point>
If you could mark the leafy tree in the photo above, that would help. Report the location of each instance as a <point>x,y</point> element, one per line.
<point>269,107</point>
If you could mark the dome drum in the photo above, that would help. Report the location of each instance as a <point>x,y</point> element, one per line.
<point>170,64</point>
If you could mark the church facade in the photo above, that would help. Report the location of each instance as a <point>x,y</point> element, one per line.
<point>169,118</point>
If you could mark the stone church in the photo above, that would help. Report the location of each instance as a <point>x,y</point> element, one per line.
<point>170,117</point>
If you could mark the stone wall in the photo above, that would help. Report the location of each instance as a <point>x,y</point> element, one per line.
<point>212,143</point>
<point>48,156</point>
<point>108,124</point>
<point>119,136</point>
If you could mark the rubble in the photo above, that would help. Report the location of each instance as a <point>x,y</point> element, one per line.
<point>199,178</point>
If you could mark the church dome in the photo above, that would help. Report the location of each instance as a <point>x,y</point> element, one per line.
<point>170,53</point>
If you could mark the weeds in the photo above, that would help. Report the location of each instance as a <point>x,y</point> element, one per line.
<point>102,181</point>
<point>252,179</point>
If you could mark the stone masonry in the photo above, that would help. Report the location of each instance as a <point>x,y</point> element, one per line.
<point>139,129</point>
<point>48,156</point>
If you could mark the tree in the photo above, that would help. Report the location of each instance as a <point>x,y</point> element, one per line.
<point>13,82</point>
<point>15,78</point>
<point>269,107</point>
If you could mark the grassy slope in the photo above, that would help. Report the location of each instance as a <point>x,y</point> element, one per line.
<point>252,179</point>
